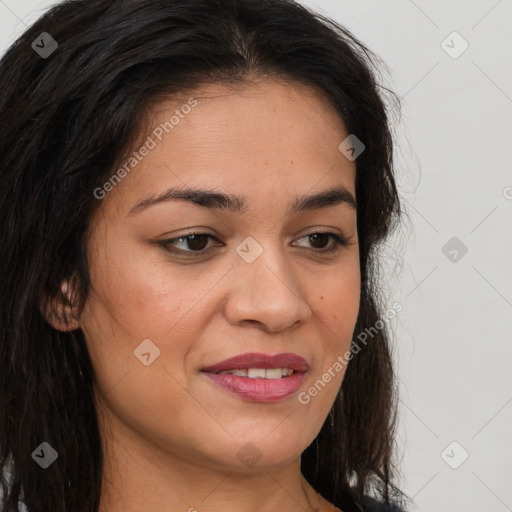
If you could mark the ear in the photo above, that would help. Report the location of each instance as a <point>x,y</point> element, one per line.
<point>61,312</point>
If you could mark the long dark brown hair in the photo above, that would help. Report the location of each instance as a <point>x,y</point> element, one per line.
<point>66,120</point>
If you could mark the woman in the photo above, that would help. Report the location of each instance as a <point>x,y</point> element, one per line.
<point>193,194</point>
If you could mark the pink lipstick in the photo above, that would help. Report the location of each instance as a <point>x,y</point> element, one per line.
<point>259,377</point>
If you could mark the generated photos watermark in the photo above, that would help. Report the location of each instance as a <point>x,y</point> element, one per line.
<point>342,360</point>
<point>150,143</point>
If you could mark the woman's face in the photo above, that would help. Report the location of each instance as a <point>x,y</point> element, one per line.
<point>159,314</point>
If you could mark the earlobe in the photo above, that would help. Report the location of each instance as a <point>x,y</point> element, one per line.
<point>60,312</point>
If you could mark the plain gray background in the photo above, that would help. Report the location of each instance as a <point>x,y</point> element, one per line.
<point>453,337</point>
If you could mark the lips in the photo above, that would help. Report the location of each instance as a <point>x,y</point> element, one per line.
<point>257,360</point>
<point>260,384</point>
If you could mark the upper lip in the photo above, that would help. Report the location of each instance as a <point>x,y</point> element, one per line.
<point>258,360</point>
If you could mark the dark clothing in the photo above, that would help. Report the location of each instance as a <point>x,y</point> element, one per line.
<point>371,505</point>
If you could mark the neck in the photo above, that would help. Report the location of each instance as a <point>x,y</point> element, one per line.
<point>138,475</point>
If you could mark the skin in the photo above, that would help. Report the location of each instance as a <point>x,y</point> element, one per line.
<point>171,436</point>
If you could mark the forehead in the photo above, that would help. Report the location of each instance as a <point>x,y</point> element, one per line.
<point>263,105</point>
<point>263,139</point>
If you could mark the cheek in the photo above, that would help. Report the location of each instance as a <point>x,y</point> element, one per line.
<point>121,315</point>
<point>337,309</point>
<point>337,302</point>
<point>136,300</point>
<point>141,298</point>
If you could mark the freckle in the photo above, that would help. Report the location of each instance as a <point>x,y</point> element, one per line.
<point>321,297</point>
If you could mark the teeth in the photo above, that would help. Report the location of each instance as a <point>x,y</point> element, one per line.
<point>260,373</point>
<point>240,373</point>
<point>256,373</point>
<point>274,373</point>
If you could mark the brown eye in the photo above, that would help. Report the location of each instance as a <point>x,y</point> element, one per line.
<point>190,244</point>
<point>197,242</point>
<point>320,242</point>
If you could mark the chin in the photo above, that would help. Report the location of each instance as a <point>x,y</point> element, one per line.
<point>266,453</point>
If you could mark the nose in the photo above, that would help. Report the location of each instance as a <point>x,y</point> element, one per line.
<point>266,292</point>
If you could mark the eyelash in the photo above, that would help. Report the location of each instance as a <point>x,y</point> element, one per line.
<point>339,242</point>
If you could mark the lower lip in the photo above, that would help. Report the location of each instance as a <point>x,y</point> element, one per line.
<point>259,390</point>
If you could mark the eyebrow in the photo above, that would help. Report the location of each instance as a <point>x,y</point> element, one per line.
<point>237,204</point>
